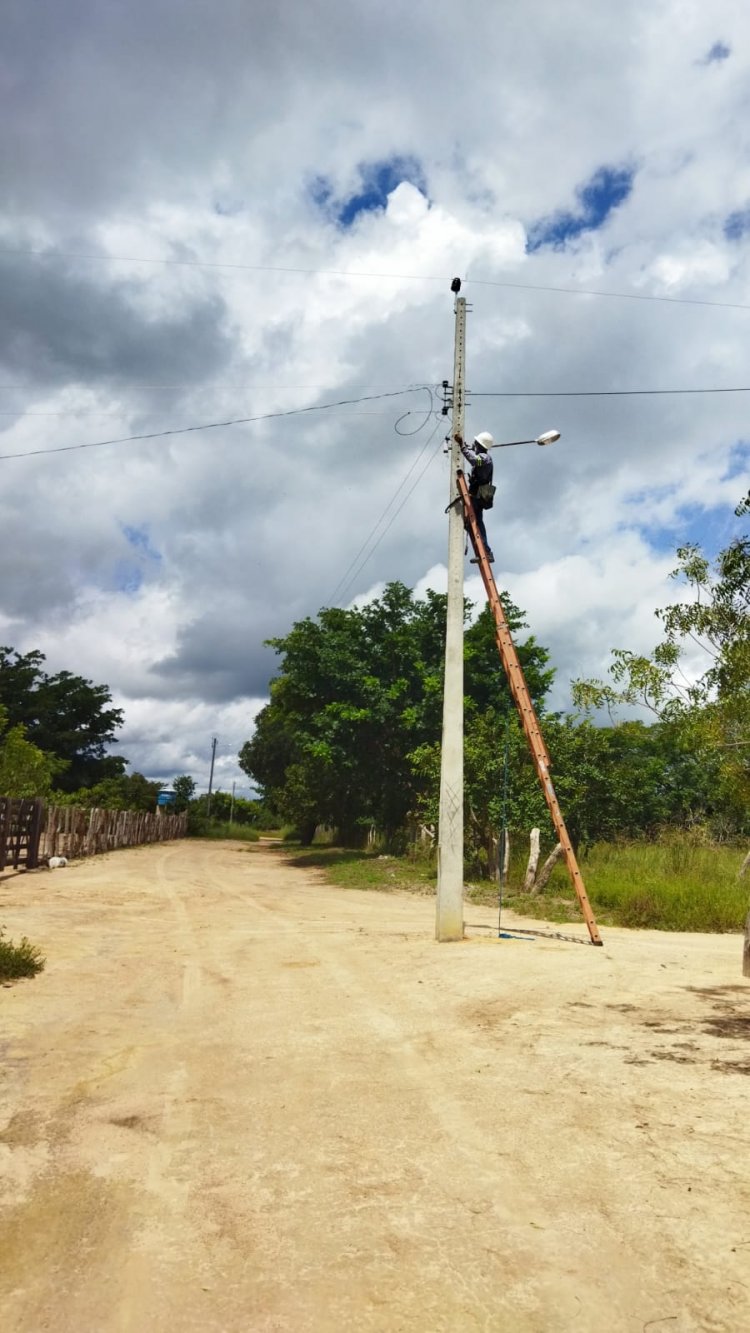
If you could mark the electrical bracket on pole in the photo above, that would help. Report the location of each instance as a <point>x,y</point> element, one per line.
<point>526,712</point>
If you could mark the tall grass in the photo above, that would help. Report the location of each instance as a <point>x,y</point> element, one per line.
<point>673,884</point>
<point>206,828</point>
<point>680,882</point>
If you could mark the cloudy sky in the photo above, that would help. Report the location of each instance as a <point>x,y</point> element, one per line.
<point>213,212</point>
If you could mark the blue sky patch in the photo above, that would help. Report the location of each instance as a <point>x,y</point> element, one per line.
<point>597,199</point>
<point>377,181</point>
<point>127,578</point>
<point>321,191</point>
<point>737,224</point>
<point>719,51</point>
<point>139,539</point>
<point>128,573</point>
<point>711,527</point>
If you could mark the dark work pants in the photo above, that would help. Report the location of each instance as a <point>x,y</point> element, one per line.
<point>478,508</point>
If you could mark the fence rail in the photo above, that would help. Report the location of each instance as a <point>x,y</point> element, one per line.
<point>72,831</point>
<point>20,828</point>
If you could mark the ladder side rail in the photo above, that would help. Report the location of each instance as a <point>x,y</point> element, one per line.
<point>526,711</point>
<point>506,646</point>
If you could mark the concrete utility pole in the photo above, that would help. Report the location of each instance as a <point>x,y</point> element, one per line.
<point>211,777</point>
<point>231,808</point>
<point>449,924</point>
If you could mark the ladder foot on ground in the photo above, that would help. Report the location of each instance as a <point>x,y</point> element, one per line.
<point>522,699</point>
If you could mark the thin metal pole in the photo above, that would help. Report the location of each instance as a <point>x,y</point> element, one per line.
<point>211,777</point>
<point>502,869</point>
<point>449,923</point>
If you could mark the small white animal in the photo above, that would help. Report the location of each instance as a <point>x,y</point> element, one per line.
<point>55,862</point>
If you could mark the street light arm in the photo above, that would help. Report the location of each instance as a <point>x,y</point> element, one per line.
<point>549,437</point>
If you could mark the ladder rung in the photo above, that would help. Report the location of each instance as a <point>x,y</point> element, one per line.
<point>524,704</point>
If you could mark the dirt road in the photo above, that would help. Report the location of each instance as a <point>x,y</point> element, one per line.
<point>241,1100</point>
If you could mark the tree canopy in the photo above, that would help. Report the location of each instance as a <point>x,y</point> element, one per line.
<point>25,770</point>
<point>358,697</point>
<point>127,791</point>
<point>352,733</point>
<point>63,715</point>
<point>705,709</point>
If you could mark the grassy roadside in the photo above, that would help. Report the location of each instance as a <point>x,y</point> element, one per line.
<point>669,885</point>
<point>213,829</point>
<point>365,870</point>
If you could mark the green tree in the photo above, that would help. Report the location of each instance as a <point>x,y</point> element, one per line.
<point>64,715</point>
<point>351,735</point>
<point>490,720</point>
<point>708,710</point>
<point>127,791</point>
<point>184,790</point>
<point>357,690</point>
<point>25,770</point>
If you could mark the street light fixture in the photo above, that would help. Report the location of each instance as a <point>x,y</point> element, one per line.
<point>549,437</point>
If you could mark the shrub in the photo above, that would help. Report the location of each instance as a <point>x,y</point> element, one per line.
<point>19,960</point>
<point>200,827</point>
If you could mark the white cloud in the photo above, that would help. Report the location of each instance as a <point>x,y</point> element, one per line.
<point>205,148</point>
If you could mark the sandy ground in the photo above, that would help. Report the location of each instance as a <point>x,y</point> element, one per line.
<point>240,1099</point>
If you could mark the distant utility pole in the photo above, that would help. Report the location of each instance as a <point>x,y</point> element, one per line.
<point>450,884</point>
<point>231,808</point>
<point>211,777</point>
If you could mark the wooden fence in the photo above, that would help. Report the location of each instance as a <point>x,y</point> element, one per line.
<point>20,829</point>
<point>71,831</point>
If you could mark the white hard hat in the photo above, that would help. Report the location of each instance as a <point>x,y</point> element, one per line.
<point>484,439</point>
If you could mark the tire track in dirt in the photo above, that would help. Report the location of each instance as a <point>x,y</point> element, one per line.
<point>271,1104</point>
<point>479,1187</point>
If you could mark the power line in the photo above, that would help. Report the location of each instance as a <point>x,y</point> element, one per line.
<point>113,412</point>
<point>472,393</point>
<point>357,273</point>
<point>620,296</point>
<point>356,572</point>
<point>596,393</point>
<point>411,388</point>
<point>226,379</point>
<point>210,425</point>
<point>344,580</point>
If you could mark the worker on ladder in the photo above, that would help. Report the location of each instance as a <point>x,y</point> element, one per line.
<point>481,490</point>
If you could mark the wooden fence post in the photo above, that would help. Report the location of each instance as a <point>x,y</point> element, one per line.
<point>542,879</point>
<point>528,882</point>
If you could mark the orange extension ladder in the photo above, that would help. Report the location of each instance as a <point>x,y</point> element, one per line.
<point>522,700</point>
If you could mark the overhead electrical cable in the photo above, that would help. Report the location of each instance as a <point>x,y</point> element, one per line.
<point>344,580</point>
<point>471,393</point>
<point>592,393</point>
<point>425,388</point>
<point>619,296</point>
<point>211,425</point>
<point>113,412</point>
<point>342,587</point>
<point>357,273</point>
<point>227,379</point>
